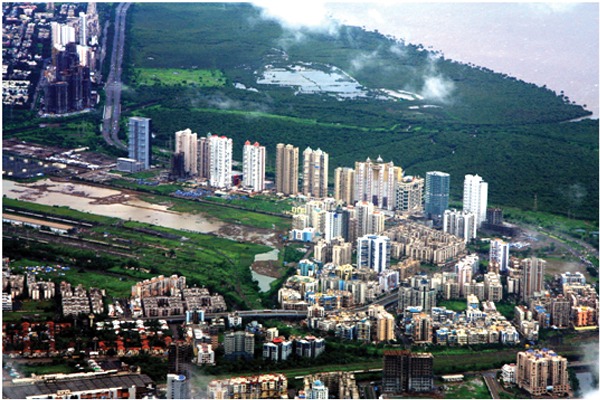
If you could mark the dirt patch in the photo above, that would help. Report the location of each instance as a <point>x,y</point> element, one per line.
<point>243,233</point>
<point>114,199</point>
<point>268,268</point>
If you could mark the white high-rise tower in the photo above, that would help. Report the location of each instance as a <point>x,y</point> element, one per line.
<point>186,142</point>
<point>475,196</point>
<point>254,166</point>
<point>221,151</point>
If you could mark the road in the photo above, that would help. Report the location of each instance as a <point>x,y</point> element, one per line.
<point>490,380</point>
<point>113,86</point>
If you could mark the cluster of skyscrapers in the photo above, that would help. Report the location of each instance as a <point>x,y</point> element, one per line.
<point>68,79</point>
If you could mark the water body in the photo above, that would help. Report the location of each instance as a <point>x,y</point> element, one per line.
<point>553,44</point>
<point>264,281</point>
<point>84,198</point>
<point>269,256</point>
<point>309,80</point>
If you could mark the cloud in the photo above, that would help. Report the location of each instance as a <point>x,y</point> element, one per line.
<point>296,15</point>
<point>436,87</point>
<point>561,7</point>
<point>364,60</point>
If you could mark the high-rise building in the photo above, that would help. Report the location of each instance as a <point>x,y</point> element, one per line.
<point>419,292</point>
<point>542,372</point>
<point>437,191</point>
<point>460,223</point>
<point>315,173</point>
<point>203,162</point>
<point>337,224</point>
<point>341,253</point>
<point>409,194</point>
<point>180,358</point>
<point>493,287</point>
<point>177,387</point>
<point>560,311</point>
<point>68,82</point>
<point>286,175</point>
<point>369,220</point>
<point>373,252</point>
<point>177,166</point>
<point>475,197</point>
<point>186,142</point>
<point>465,270</point>
<point>254,166</point>
<point>532,281</point>
<point>239,344</point>
<point>376,182</point>
<point>422,328</point>
<point>82,28</point>
<point>404,371</point>
<point>343,189</point>
<point>499,256</point>
<point>140,148</point>
<point>385,329</point>
<point>221,152</point>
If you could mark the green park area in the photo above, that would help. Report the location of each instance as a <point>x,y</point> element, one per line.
<point>178,76</point>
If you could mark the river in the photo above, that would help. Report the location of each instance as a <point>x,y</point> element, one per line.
<point>86,198</point>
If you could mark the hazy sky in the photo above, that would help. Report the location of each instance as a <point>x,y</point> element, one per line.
<point>553,44</point>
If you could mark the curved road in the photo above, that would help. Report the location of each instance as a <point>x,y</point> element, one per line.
<point>112,88</point>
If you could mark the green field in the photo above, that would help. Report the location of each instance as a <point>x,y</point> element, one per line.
<point>178,76</point>
<point>127,247</point>
<point>472,388</point>
<point>42,369</point>
<point>454,305</point>
<point>476,133</point>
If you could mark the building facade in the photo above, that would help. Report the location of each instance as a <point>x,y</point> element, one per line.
<point>499,256</point>
<point>542,372</point>
<point>409,194</point>
<point>203,162</point>
<point>186,143</point>
<point>376,182</point>
<point>437,192</point>
<point>532,281</point>
<point>221,152</point>
<point>404,371</point>
<point>140,148</point>
<point>254,166</point>
<point>177,387</point>
<point>286,175</point>
<point>343,189</point>
<point>239,344</point>
<point>315,173</point>
<point>475,197</point>
<point>460,223</point>
<point>373,252</point>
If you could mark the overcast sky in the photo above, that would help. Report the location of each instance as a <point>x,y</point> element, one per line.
<point>553,44</point>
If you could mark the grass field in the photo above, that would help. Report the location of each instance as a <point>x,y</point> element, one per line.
<point>473,388</point>
<point>177,76</point>
<point>222,265</point>
<point>42,369</point>
<point>454,305</point>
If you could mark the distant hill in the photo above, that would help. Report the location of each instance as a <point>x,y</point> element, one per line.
<point>221,68</point>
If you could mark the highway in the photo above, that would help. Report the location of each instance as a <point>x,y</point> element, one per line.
<point>113,86</point>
